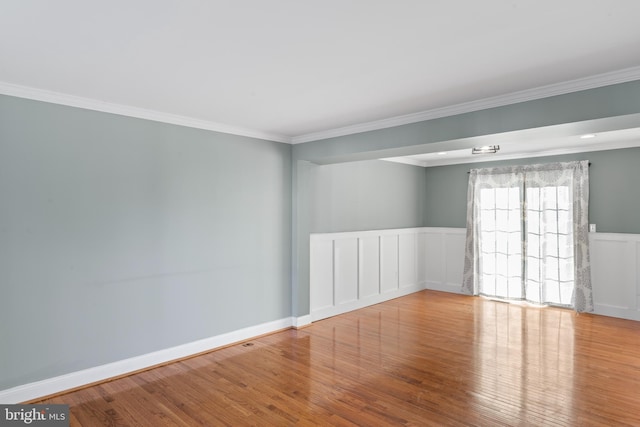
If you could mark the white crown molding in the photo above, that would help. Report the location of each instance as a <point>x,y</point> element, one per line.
<point>592,82</point>
<point>140,113</point>
<point>88,376</point>
<point>600,80</point>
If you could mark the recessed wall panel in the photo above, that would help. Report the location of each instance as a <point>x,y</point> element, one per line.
<point>369,266</point>
<point>610,272</point>
<point>321,274</point>
<point>346,270</point>
<point>434,257</point>
<point>388,263</point>
<point>454,255</point>
<point>407,260</point>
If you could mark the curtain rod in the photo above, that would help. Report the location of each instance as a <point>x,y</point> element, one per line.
<point>589,166</point>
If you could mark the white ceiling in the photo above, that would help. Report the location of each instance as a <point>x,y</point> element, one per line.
<point>294,70</point>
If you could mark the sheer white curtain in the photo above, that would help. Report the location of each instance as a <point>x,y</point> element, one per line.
<point>527,234</point>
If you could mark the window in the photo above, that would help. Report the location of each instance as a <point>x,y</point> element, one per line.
<point>501,242</point>
<point>527,234</point>
<point>549,245</point>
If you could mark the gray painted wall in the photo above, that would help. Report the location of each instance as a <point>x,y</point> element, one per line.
<point>614,183</point>
<point>120,236</point>
<point>577,112</point>
<point>367,195</point>
<point>593,110</point>
<point>349,196</point>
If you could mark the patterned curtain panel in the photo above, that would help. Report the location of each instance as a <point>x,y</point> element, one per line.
<point>527,234</point>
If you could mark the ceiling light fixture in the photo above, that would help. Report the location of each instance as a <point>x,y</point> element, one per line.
<point>486,149</point>
<point>588,135</point>
<point>442,153</point>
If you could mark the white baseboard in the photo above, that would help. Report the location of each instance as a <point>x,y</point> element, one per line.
<point>613,311</point>
<point>346,307</point>
<point>76,379</point>
<point>299,322</point>
<point>455,288</point>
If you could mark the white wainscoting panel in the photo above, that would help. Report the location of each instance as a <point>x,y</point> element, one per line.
<point>356,269</point>
<point>454,243</point>
<point>388,263</point>
<point>408,263</point>
<point>353,270</point>
<point>444,258</point>
<point>615,274</point>
<point>369,263</point>
<point>321,271</point>
<point>434,258</point>
<point>421,248</point>
<point>346,270</point>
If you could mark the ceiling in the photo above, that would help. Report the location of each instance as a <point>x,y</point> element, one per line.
<point>524,144</point>
<point>294,71</point>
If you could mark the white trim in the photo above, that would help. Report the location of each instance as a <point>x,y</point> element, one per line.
<point>299,322</point>
<point>99,373</point>
<point>443,230</point>
<point>619,237</point>
<point>406,161</point>
<point>615,311</point>
<point>592,82</point>
<point>355,234</point>
<point>140,113</point>
<point>600,80</point>
<point>524,155</point>
<point>452,288</point>
<point>335,310</point>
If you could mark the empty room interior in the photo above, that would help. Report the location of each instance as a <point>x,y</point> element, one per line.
<point>321,213</point>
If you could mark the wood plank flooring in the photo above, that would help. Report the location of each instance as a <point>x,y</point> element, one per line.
<point>427,359</point>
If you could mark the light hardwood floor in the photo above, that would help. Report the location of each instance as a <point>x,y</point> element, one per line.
<point>429,358</point>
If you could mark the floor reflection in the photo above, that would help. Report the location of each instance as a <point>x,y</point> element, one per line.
<point>523,359</point>
<point>426,359</point>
